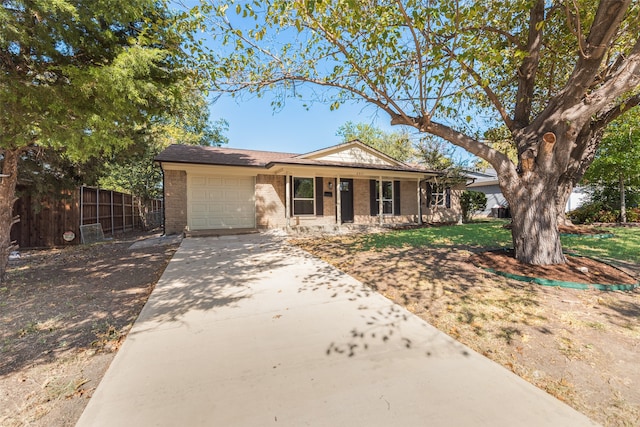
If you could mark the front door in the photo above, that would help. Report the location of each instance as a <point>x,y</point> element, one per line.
<point>346,200</point>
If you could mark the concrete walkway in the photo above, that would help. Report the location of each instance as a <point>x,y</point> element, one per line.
<point>249,331</point>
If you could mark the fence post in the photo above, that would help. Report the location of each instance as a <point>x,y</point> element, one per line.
<point>82,205</point>
<point>98,205</point>
<point>113,225</point>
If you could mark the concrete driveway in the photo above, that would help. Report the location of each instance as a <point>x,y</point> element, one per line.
<point>250,331</point>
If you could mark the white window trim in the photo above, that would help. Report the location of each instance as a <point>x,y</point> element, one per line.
<point>294,198</point>
<point>379,193</point>
<point>438,198</point>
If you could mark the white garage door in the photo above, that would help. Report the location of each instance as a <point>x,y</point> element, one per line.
<point>217,202</point>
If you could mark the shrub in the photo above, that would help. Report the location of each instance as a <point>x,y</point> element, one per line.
<point>633,215</point>
<point>599,212</point>
<point>586,214</point>
<point>471,202</point>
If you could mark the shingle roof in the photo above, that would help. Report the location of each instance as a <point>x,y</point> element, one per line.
<point>312,162</point>
<point>179,153</point>
<point>194,154</point>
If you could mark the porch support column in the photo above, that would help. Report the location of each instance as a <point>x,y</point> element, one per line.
<point>287,198</point>
<point>419,203</point>
<point>380,202</point>
<point>338,202</point>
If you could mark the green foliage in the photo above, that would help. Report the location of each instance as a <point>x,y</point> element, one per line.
<point>499,139</point>
<point>598,211</point>
<point>436,154</point>
<point>471,202</point>
<point>449,69</point>
<point>618,156</point>
<point>84,85</point>
<point>133,170</point>
<point>409,57</point>
<point>96,99</point>
<point>609,195</point>
<point>616,164</point>
<point>590,213</point>
<point>397,145</point>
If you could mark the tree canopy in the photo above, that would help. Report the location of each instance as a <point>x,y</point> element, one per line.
<point>618,156</point>
<point>84,79</point>
<point>553,73</point>
<point>617,160</point>
<point>398,145</point>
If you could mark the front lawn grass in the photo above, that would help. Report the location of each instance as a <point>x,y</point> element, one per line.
<point>488,234</point>
<point>623,246</point>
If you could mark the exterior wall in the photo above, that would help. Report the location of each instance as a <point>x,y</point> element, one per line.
<point>329,203</point>
<point>270,201</point>
<point>175,196</point>
<point>409,198</point>
<point>271,204</point>
<point>362,203</point>
<point>441,213</point>
<point>408,204</point>
<point>354,155</point>
<point>577,198</point>
<point>270,193</point>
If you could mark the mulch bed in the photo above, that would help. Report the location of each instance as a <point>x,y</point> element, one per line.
<point>597,272</point>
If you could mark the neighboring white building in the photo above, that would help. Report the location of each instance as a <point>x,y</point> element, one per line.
<point>487,182</point>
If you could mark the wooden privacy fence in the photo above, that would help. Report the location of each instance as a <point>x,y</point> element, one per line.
<point>45,223</point>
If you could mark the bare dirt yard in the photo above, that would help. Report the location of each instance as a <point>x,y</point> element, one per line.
<point>581,346</point>
<point>63,314</point>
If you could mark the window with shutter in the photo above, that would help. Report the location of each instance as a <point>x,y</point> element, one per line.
<point>438,196</point>
<point>303,196</point>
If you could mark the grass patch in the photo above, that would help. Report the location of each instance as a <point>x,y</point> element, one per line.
<point>624,246</point>
<point>484,234</point>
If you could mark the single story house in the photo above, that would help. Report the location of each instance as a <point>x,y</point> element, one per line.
<point>212,188</point>
<point>486,182</point>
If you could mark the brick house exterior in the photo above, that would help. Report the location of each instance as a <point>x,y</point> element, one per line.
<point>208,188</point>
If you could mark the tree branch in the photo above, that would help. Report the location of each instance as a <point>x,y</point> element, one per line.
<point>389,102</point>
<point>608,17</point>
<point>528,69</point>
<point>615,112</point>
<point>626,78</point>
<point>510,37</point>
<point>487,90</point>
<point>423,106</point>
<point>495,158</point>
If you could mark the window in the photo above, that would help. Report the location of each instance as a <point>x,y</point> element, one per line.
<point>303,192</point>
<point>438,195</point>
<point>387,196</point>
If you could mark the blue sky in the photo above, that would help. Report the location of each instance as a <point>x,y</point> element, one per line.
<point>254,125</point>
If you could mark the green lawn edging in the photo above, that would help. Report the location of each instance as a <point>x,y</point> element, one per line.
<point>563,284</point>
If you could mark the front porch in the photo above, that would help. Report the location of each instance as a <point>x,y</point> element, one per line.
<point>298,202</point>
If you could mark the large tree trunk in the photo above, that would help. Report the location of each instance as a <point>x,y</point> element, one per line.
<point>7,199</point>
<point>588,140</point>
<point>565,188</point>
<point>535,235</point>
